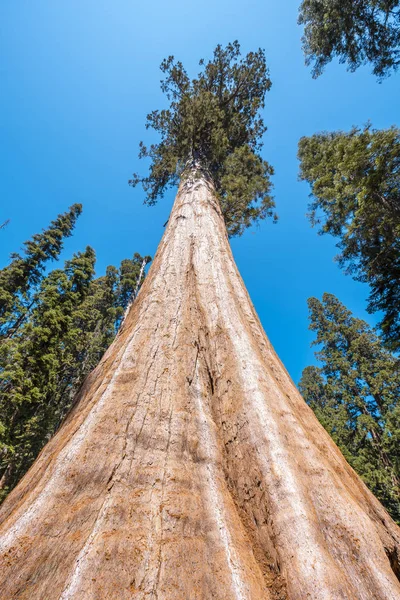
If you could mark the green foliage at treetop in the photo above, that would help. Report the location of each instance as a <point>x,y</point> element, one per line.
<point>355,184</point>
<point>214,121</point>
<point>355,31</point>
<point>24,272</point>
<point>71,319</point>
<point>355,395</point>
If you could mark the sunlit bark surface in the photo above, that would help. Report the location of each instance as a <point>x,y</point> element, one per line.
<point>191,468</point>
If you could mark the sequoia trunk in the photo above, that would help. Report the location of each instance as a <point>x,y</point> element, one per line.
<point>191,468</point>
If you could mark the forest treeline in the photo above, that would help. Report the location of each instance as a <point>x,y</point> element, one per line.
<point>55,325</point>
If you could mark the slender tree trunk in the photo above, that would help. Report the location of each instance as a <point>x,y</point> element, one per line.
<point>6,476</point>
<point>191,468</point>
<point>136,290</point>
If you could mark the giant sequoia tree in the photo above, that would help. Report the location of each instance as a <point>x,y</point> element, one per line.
<point>190,466</point>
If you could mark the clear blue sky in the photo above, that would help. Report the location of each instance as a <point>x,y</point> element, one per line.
<point>77,80</point>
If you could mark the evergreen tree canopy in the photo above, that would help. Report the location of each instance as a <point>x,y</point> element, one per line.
<point>357,32</point>
<point>24,272</point>
<point>214,121</point>
<point>355,183</point>
<point>71,320</point>
<point>355,395</point>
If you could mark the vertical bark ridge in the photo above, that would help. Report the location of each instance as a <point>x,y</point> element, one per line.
<point>190,467</point>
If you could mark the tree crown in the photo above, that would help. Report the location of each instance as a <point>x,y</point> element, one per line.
<point>18,279</point>
<point>214,120</point>
<point>355,184</point>
<point>365,31</point>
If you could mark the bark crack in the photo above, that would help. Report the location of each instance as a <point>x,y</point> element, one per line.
<point>157,581</point>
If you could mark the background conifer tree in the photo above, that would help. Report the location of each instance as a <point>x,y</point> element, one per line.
<point>19,278</point>
<point>357,32</point>
<point>355,395</point>
<point>67,320</point>
<point>355,185</point>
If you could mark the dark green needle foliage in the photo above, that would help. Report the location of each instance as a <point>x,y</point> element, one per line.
<point>214,121</point>
<point>19,278</point>
<point>355,184</point>
<point>72,319</point>
<point>355,31</point>
<point>355,394</point>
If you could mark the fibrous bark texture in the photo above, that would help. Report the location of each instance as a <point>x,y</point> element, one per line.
<point>190,467</point>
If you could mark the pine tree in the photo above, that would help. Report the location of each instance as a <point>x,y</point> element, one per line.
<point>31,363</point>
<point>361,32</point>
<point>355,395</point>
<point>190,466</point>
<point>19,279</point>
<point>355,182</point>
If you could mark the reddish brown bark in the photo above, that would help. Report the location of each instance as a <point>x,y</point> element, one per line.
<point>191,468</point>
